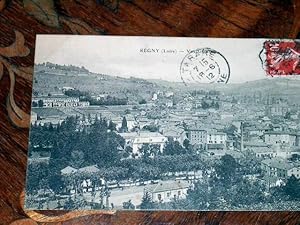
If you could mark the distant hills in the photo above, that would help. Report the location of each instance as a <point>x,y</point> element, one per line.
<point>50,78</point>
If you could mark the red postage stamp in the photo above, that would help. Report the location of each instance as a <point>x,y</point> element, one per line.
<point>282,57</point>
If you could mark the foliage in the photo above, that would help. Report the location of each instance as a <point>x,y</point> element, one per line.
<point>227,169</point>
<point>143,101</point>
<point>211,194</point>
<point>128,205</point>
<point>149,150</point>
<point>186,144</point>
<point>292,188</point>
<point>147,201</point>
<point>124,127</point>
<point>75,93</point>
<point>174,148</point>
<point>207,105</point>
<point>37,173</point>
<point>151,128</point>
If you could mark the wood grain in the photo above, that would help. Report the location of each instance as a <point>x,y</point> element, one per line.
<point>209,18</point>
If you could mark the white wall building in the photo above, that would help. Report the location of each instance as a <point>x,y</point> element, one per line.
<point>167,191</point>
<point>137,139</point>
<point>280,138</point>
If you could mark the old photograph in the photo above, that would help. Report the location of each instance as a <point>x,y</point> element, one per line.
<point>161,123</point>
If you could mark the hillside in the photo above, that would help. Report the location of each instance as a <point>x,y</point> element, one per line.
<point>51,80</point>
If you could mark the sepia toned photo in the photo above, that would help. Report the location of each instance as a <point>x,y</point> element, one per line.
<point>145,123</point>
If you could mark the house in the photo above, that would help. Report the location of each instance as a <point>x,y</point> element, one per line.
<point>89,169</point>
<point>216,154</point>
<point>226,116</point>
<point>216,137</point>
<point>64,89</point>
<point>68,170</point>
<point>175,134</point>
<point>154,97</point>
<point>169,94</point>
<point>255,144</point>
<point>87,184</point>
<point>207,138</point>
<point>280,138</point>
<point>197,136</point>
<point>46,116</point>
<point>263,152</point>
<point>57,101</point>
<point>137,139</point>
<point>83,104</point>
<point>279,109</point>
<point>166,191</point>
<point>279,167</point>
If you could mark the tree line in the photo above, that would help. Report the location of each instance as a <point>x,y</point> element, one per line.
<point>85,96</point>
<point>100,145</point>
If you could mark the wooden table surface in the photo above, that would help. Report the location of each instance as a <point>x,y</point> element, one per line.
<point>20,21</point>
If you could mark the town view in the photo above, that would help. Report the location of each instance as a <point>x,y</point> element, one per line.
<point>99,141</point>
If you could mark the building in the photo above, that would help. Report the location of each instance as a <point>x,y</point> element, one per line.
<point>68,170</point>
<point>46,116</point>
<point>86,183</point>
<point>263,152</point>
<point>57,101</point>
<point>280,138</point>
<point>279,167</point>
<point>278,109</point>
<point>216,137</point>
<point>137,139</point>
<point>197,136</point>
<point>207,138</point>
<point>167,191</point>
<point>175,134</point>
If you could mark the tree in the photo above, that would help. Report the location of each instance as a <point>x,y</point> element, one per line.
<point>149,150</point>
<point>174,148</point>
<point>186,144</point>
<point>55,182</point>
<point>204,105</point>
<point>77,159</point>
<point>40,103</point>
<point>128,205</point>
<point>292,188</point>
<point>124,127</point>
<point>37,172</point>
<point>227,168</point>
<point>111,126</point>
<point>245,193</point>
<point>147,202</point>
<point>151,128</point>
<point>199,196</point>
<point>34,104</point>
<point>287,115</point>
<point>69,204</point>
<point>143,101</point>
<point>217,106</point>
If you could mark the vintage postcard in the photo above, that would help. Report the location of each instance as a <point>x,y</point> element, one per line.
<point>163,123</point>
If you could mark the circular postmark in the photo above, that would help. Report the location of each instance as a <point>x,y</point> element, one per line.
<point>204,65</point>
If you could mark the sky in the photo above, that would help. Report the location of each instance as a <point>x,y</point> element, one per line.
<point>148,57</point>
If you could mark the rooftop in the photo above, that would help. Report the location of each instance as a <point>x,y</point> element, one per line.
<point>169,185</point>
<point>262,150</point>
<point>68,170</point>
<point>89,169</point>
<point>48,112</point>
<point>279,163</point>
<point>280,132</point>
<point>141,134</point>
